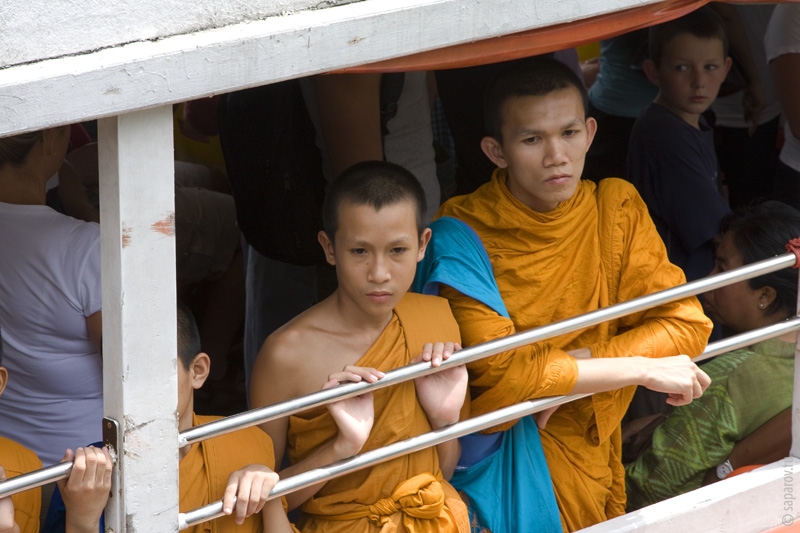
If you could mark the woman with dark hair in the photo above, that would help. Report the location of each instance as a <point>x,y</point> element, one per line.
<point>50,305</point>
<point>749,386</point>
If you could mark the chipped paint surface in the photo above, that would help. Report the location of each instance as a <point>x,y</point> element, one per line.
<point>23,23</point>
<point>126,235</point>
<point>165,226</point>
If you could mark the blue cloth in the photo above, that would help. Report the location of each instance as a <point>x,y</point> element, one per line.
<point>503,476</point>
<point>456,257</point>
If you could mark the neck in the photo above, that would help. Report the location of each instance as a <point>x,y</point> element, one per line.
<point>21,188</point>
<point>354,319</point>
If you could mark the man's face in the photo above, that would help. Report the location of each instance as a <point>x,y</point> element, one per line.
<point>376,255</point>
<point>545,140</point>
<point>690,75</point>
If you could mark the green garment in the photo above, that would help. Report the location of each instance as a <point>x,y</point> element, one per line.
<point>749,387</point>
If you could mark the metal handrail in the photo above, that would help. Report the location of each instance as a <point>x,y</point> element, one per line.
<point>459,429</point>
<point>480,351</point>
<point>467,355</point>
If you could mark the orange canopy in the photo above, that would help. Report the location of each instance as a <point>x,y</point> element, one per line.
<point>539,40</point>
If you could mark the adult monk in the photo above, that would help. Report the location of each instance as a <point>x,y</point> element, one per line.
<point>374,234</point>
<point>559,247</point>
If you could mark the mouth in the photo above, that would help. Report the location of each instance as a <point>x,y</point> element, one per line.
<point>558,179</point>
<point>698,99</point>
<point>379,296</point>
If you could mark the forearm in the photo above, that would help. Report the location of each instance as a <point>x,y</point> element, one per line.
<point>600,375</point>
<point>326,454</point>
<point>275,519</point>
<point>449,453</point>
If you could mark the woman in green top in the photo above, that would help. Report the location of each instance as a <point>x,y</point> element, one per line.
<point>749,386</point>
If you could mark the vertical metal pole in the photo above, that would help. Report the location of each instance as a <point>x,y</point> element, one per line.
<point>795,451</point>
<point>139,336</point>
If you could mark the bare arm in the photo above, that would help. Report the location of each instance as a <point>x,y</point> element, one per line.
<point>785,72</point>
<point>7,522</point>
<point>86,490</point>
<point>349,108</point>
<point>95,325</point>
<point>273,381</point>
<point>769,443</point>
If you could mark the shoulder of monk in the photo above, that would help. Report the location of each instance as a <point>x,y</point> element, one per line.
<point>414,300</point>
<point>616,191</point>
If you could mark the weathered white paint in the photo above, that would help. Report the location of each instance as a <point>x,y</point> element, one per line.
<point>139,328</point>
<point>32,31</point>
<point>750,502</point>
<point>184,67</point>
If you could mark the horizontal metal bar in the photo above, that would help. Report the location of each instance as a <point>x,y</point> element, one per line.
<point>495,418</point>
<point>257,416</point>
<point>474,353</point>
<point>34,479</point>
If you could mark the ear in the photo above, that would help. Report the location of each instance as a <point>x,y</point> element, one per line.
<point>199,369</point>
<point>424,239</point>
<point>327,247</point>
<point>3,378</point>
<point>591,130</point>
<point>494,151</point>
<point>728,64</point>
<point>651,71</point>
<point>766,297</point>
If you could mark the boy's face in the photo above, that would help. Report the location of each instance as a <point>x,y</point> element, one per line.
<point>376,255</point>
<point>689,75</point>
<point>545,140</point>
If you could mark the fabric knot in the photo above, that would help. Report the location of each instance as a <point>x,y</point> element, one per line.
<point>793,246</point>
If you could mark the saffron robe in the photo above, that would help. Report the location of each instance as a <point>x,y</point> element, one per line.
<point>596,249</point>
<point>205,468</point>
<point>17,459</point>
<point>404,494</point>
<point>203,476</point>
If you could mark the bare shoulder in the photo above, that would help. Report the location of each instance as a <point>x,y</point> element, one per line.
<point>286,361</point>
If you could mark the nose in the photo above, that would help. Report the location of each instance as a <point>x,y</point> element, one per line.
<point>555,153</point>
<point>378,271</point>
<point>698,78</point>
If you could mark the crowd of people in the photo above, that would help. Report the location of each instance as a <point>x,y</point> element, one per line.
<point>586,199</point>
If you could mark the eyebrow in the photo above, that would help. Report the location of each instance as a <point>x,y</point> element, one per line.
<point>572,123</point>
<point>400,240</point>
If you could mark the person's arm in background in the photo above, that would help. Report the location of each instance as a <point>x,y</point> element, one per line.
<point>753,99</point>
<point>349,108</point>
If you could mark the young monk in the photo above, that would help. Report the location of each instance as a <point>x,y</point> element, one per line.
<point>374,234</point>
<point>560,247</point>
<point>86,488</point>
<point>234,465</point>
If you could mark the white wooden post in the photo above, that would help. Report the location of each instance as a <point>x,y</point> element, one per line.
<point>139,316</point>
<point>795,450</point>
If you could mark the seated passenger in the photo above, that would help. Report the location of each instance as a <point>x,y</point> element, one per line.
<point>560,247</point>
<point>750,385</point>
<point>50,305</point>
<point>236,464</point>
<point>374,235</point>
<point>87,486</point>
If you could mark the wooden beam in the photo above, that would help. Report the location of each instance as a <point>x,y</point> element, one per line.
<point>139,316</point>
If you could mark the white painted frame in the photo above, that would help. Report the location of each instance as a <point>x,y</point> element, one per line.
<point>134,84</point>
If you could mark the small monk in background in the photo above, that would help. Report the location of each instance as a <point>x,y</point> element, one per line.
<point>374,234</point>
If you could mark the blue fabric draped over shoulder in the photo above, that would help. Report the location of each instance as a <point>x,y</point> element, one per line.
<point>503,476</point>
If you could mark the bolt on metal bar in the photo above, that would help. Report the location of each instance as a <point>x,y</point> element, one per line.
<point>467,355</point>
<point>495,418</point>
<point>474,353</point>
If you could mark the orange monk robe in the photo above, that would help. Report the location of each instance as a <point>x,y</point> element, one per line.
<point>205,468</point>
<point>404,494</point>
<point>597,249</point>
<point>16,459</point>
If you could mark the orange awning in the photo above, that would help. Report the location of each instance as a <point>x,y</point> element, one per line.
<point>539,40</point>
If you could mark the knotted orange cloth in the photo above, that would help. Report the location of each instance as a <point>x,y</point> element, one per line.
<point>205,468</point>
<point>404,494</point>
<point>594,250</point>
<point>16,459</point>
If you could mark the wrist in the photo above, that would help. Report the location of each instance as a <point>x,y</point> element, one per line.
<point>724,469</point>
<point>343,448</point>
<point>440,423</point>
